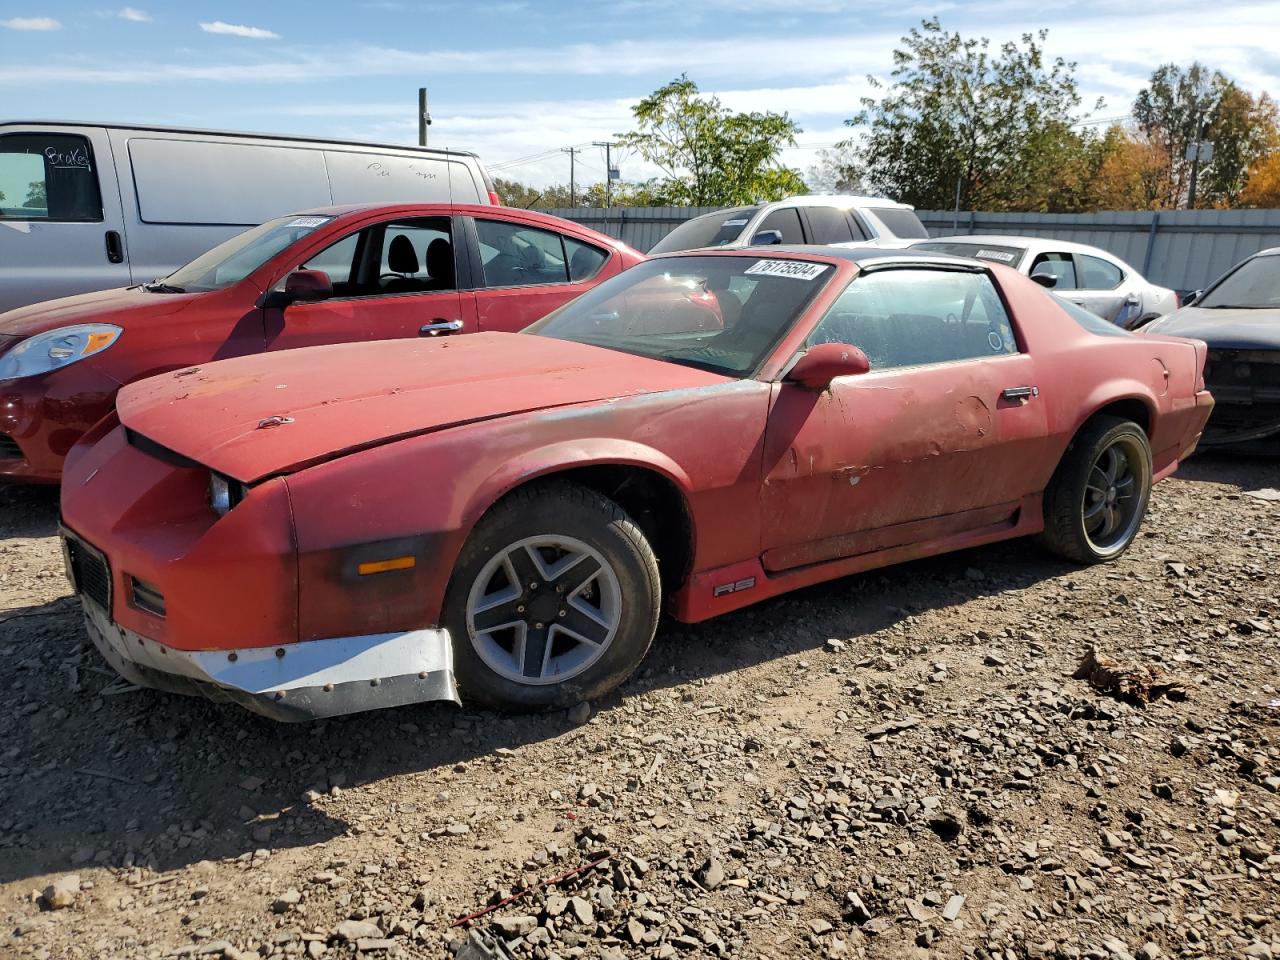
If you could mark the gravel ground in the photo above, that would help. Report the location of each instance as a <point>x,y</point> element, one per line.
<point>891,765</point>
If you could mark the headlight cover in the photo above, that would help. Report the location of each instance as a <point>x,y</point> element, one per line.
<point>58,348</point>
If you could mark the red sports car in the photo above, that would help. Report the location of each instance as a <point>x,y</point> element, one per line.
<point>501,517</point>
<point>325,276</point>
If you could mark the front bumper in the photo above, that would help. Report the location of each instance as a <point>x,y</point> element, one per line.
<point>290,682</point>
<point>1246,384</point>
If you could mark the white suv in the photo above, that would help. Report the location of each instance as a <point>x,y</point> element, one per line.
<point>831,220</point>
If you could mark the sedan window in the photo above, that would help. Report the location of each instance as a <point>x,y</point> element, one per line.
<point>1099,274</point>
<point>1058,265</point>
<point>904,318</point>
<point>515,255</point>
<point>719,313</point>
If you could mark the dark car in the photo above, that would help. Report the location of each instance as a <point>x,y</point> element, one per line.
<point>1239,318</point>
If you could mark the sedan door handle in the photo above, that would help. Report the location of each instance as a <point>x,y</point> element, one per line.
<point>1019,393</point>
<point>438,326</point>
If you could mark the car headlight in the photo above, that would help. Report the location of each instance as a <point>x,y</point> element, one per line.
<point>224,493</point>
<point>57,348</point>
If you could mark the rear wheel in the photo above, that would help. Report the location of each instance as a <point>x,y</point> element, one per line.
<point>1098,496</point>
<point>554,600</point>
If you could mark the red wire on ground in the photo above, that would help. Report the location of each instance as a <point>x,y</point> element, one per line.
<point>537,886</point>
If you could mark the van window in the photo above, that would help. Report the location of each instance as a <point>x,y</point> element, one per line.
<point>233,184</point>
<point>379,178</point>
<point>48,176</point>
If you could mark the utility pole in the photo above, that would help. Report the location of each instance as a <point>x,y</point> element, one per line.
<point>424,118</point>
<point>572,152</point>
<point>610,174</point>
<point>1201,150</point>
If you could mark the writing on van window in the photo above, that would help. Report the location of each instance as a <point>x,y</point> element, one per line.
<point>424,174</point>
<point>69,158</point>
<point>376,169</point>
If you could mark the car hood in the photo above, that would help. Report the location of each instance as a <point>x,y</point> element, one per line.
<point>1229,329</point>
<point>102,306</point>
<point>268,414</point>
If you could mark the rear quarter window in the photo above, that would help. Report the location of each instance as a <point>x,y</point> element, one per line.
<point>1090,321</point>
<point>901,222</point>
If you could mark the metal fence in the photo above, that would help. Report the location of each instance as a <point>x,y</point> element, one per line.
<point>1182,249</point>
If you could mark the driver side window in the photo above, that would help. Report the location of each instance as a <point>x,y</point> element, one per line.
<point>906,318</point>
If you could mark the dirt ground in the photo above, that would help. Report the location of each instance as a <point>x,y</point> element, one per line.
<point>890,765</point>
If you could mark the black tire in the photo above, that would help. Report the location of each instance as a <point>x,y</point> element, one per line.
<point>564,510</point>
<point>1070,496</point>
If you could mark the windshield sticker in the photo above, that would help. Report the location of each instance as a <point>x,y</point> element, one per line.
<point>994,255</point>
<point>795,269</point>
<point>307,221</point>
<point>734,223</point>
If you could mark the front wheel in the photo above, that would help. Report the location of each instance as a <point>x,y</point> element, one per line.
<point>554,600</point>
<point>1098,496</point>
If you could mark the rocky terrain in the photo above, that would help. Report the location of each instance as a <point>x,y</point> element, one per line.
<point>892,765</point>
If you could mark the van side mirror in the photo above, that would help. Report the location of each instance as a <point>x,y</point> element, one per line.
<point>766,238</point>
<point>1046,280</point>
<point>304,286</point>
<point>823,363</point>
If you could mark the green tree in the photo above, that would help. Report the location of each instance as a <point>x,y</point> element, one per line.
<point>836,171</point>
<point>1000,123</point>
<point>709,155</point>
<point>36,194</point>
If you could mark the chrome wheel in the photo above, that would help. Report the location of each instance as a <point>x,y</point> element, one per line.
<point>1115,495</point>
<point>544,609</point>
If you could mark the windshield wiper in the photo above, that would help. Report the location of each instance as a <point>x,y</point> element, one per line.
<point>1235,306</point>
<point>159,286</point>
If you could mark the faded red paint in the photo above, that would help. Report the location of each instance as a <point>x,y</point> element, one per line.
<point>47,414</point>
<point>401,448</point>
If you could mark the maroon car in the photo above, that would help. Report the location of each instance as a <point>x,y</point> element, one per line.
<point>334,275</point>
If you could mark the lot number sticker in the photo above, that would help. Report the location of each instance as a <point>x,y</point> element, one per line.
<point>994,255</point>
<point>795,269</point>
<point>307,221</point>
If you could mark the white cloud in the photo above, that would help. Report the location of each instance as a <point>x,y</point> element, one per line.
<point>134,14</point>
<point>239,30</point>
<point>31,23</point>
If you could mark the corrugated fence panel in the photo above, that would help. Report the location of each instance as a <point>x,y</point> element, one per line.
<point>1183,249</point>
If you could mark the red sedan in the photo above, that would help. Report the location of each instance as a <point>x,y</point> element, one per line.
<point>326,276</point>
<point>502,517</point>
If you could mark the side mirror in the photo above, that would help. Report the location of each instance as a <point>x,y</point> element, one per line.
<point>1192,297</point>
<point>823,363</point>
<point>1046,280</point>
<point>303,286</point>
<point>766,238</point>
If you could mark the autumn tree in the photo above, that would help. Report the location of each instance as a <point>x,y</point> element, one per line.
<point>709,155</point>
<point>1262,188</point>
<point>1000,123</point>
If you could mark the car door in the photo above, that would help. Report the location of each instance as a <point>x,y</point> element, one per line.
<point>1103,290</point>
<point>525,272</point>
<point>397,278</point>
<point>61,223</point>
<point>934,440</point>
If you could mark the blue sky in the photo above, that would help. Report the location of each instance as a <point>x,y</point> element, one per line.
<point>512,79</point>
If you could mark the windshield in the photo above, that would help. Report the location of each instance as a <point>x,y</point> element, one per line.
<point>900,221</point>
<point>1255,285</point>
<point>1009,256</point>
<point>231,262</point>
<point>710,230</point>
<point>718,313</point>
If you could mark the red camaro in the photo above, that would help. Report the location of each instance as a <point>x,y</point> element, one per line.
<point>326,276</point>
<point>501,517</point>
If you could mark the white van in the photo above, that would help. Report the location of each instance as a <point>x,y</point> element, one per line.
<point>87,207</point>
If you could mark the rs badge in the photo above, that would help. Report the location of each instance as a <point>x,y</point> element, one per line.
<point>725,588</point>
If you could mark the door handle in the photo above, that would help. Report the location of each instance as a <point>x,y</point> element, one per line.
<point>1133,300</point>
<point>438,326</point>
<point>115,249</point>
<point>1019,393</point>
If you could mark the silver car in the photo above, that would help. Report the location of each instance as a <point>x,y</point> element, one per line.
<point>834,220</point>
<point>1089,277</point>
